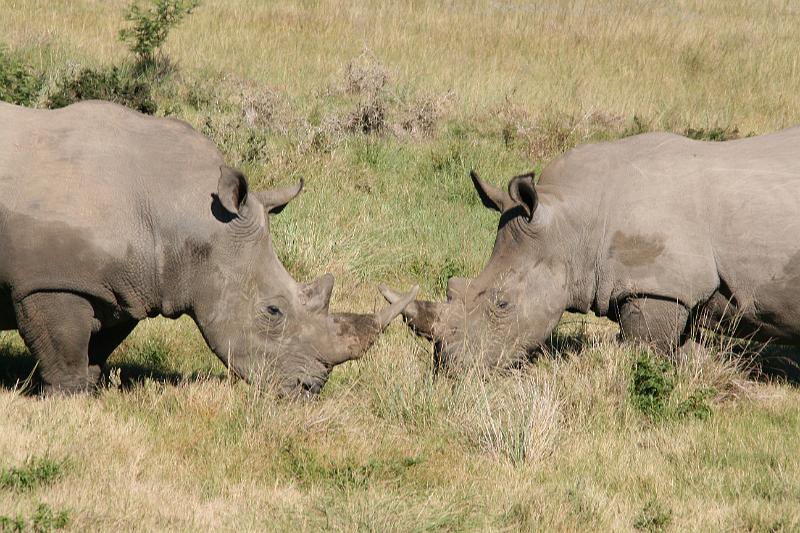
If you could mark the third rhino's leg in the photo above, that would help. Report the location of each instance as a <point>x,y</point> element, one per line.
<point>658,322</point>
<point>102,344</point>
<point>56,327</point>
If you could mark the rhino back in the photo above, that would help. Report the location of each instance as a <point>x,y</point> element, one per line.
<point>88,192</point>
<point>678,218</point>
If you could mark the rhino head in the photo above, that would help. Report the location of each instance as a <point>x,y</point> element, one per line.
<point>258,320</point>
<point>499,318</point>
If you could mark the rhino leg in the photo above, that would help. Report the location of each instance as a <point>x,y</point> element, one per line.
<point>660,323</point>
<point>102,344</point>
<point>57,327</point>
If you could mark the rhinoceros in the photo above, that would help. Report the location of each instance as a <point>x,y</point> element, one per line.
<point>108,217</point>
<point>663,234</point>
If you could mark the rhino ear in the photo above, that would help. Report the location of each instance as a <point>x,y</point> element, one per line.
<point>274,200</point>
<point>231,189</point>
<point>491,196</point>
<point>522,192</point>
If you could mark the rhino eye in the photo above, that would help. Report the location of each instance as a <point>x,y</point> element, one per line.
<point>503,305</point>
<point>273,311</point>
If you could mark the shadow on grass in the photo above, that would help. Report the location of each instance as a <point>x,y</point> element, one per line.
<point>562,344</point>
<point>18,370</point>
<point>780,363</point>
<point>771,362</point>
<point>18,373</point>
<point>134,374</point>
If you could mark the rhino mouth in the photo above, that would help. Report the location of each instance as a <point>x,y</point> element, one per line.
<point>309,388</point>
<point>306,387</point>
<point>456,356</point>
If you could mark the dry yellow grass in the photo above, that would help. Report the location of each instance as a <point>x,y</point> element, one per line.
<point>558,445</point>
<point>686,62</point>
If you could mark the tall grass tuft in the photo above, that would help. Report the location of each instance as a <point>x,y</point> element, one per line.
<point>518,419</point>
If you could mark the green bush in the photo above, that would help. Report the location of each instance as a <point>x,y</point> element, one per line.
<point>696,405</point>
<point>654,517</point>
<point>712,134</point>
<point>33,474</point>
<point>150,27</point>
<point>129,85</point>
<point>112,84</point>
<point>651,385</point>
<point>651,391</point>
<point>15,524</point>
<point>637,126</point>
<point>18,82</point>
<point>44,519</point>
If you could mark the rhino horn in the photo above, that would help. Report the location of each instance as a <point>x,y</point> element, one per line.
<point>456,288</point>
<point>317,294</point>
<point>356,333</point>
<point>420,315</point>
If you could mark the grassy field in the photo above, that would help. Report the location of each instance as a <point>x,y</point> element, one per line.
<point>384,107</point>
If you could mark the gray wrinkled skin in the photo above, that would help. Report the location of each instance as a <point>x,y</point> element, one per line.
<point>652,231</point>
<point>108,217</point>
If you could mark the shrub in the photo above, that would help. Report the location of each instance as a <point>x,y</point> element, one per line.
<point>150,27</point>
<point>368,117</point>
<point>44,519</point>
<point>18,83</point>
<point>34,473</point>
<point>128,85</point>
<point>423,115</point>
<point>696,405</point>
<point>654,517</point>
<point>365,75</point>
<point>637,126</point>
<point>712,134</point>
<point>651,385</point>
<point>254,147</point>
<point>113,84</point>
<point>12,523</point>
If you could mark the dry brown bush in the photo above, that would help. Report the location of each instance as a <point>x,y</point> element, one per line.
<point>422,115</point>
<point>365,75</point>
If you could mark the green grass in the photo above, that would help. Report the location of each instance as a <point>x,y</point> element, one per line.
<point>653,518</point>
<point>42,520</point>
<point>592,436</point>
<point>35,472</point>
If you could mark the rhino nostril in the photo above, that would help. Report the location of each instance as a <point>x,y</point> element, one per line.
<point>311,386</point>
